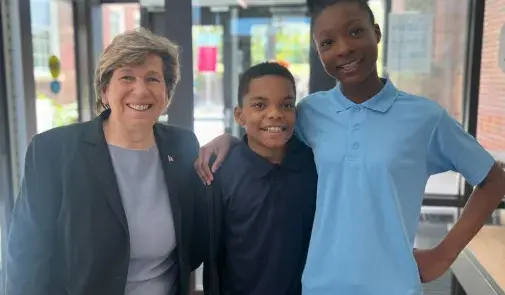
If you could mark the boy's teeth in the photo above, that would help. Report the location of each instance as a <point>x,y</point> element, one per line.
<point>274,129</point>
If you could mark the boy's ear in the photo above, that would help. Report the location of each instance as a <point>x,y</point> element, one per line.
<point>237,112</point>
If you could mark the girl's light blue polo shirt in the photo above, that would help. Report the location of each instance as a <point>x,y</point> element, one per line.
<point>373,160</point>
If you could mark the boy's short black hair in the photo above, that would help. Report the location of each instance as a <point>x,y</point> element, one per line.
<point>258,71</point>
<point>315,7</point>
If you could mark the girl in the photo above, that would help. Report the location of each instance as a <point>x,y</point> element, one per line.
<point>375,148</point>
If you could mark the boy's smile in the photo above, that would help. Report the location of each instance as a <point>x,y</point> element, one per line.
<point>274,129</point>
<point>274,135</point>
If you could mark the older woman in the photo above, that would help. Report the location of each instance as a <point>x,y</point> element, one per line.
<point>109,206</point>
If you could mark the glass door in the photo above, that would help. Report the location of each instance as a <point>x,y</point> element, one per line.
<point>229,39</point>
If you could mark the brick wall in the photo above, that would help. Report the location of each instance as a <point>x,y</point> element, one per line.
<point>491,123</point>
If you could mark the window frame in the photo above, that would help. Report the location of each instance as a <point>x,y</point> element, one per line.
<point>42,50</point>
<point>6,175</point>
<point>471,86</point>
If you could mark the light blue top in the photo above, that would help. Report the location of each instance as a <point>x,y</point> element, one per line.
<point>153,266</point>
<point>373,162</point>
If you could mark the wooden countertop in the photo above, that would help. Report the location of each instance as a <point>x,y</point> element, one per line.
<point>488,248</point>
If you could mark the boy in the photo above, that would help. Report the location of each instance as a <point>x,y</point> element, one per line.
<point>264,193</point>
<point>380,145</point>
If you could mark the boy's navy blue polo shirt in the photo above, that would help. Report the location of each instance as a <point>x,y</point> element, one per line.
<point>267,213</point>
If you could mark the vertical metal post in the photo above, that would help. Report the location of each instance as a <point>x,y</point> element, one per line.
<point>472,72</point>
<point>228,98</point>
<point>270,49</point>
<point>387,11</point>
<point>17,103</point>
<point>6,189</point>
<point>244,48</point>
<point>87,16</point>
<point>6,192</point>
<point>175,22</point>
<point>178,24</point>
<point>235,61</point>
<point>20,82</point>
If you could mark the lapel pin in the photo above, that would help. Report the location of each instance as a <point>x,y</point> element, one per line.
<point>170,159</point>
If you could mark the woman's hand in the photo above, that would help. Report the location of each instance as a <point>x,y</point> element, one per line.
<point>219,147</point>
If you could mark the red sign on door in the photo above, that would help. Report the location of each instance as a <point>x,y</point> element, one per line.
<point>207,58</point>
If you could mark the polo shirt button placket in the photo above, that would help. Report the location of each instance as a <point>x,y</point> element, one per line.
<point>275,176</point>
<point>355,135</point>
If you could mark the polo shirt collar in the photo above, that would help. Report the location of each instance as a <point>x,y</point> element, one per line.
<point>380,102</point>
<point>260,167</point>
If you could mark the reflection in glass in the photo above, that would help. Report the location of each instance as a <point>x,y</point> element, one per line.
<point>53,34</point>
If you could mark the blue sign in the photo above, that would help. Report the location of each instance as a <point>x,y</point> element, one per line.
<point>55,87</point>
<point>208,39</point>
<point>243,26</point>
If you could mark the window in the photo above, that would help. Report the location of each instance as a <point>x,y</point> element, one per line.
<point>116,22</point>
<point>208,70</point>
<point>289,43</point>
<point>118,18</point>
<point>53,34</point>
<point>40,12</point>
<point>426,49</point>
<point>41,16</point>
<point>42,49</point>
<point>227,41</point>
<point>491,112</point>
<point>136,18</point>
<point>426,56</point>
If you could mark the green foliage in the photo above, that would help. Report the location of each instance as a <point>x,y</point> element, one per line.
<point>65,114</point>
<point>62,114</point>
<point>292,43</point>
<point>427,6</point>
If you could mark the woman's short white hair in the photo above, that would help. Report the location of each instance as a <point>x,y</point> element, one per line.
<point>132,48</point>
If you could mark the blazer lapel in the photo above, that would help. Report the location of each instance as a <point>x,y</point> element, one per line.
<point>97,154</point>
<point>168,157</point>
